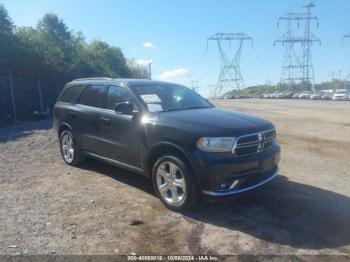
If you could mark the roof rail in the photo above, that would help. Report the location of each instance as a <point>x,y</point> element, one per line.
<point>92,78</point>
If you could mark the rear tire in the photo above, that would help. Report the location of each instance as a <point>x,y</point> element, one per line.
<point>174,183</point>
<point>70,150</point>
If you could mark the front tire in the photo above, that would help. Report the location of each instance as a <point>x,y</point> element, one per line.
<point>174,183</point>
<point>70,150</point>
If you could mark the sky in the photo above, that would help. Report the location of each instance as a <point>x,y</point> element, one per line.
<point>173,34</point>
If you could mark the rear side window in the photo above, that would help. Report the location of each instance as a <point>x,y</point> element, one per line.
<point>93,95</point>
<point>115,95</point>
<point>71,94</point>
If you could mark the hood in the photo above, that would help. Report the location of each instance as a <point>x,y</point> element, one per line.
<point>215,121</point>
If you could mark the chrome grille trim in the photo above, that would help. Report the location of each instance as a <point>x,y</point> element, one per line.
<point>269,135</point>
<point>260,141</point>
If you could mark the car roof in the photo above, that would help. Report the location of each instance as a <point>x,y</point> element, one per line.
<point>125,81</point>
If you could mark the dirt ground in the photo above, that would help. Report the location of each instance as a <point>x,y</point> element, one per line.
<point>47,207</point>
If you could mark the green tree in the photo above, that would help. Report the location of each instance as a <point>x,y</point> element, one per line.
<point>106,60</point>
<point>52,50</point>
<point>29,56</point>
<point>7,40</point>
<point>6,24</point>
<point>56,43</point>
<point>137,71</point>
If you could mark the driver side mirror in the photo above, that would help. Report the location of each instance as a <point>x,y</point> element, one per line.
<point>124,108</point>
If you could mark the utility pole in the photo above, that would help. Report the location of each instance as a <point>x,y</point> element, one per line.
<point>212,90</point>
<point>195,85</point>
<point>334,82</point>
<point>345,36</point>
<point>297,65</point>
<point>40,96</point>
<point>337,82</point>
<point>230,77</point>
<point>13,99</point>
<point>346,81</point>
<point>149,69</point>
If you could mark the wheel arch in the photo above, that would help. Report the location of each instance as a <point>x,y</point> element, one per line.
<point>63,127</point>
<point>166,148</point>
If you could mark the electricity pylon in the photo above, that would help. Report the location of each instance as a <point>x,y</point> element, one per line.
<point>230,77</point>
<point>297,65</point>
<point>292,67</point>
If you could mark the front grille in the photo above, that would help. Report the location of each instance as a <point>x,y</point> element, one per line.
<point>247,150</point>
<point>249,139</point>
<point>267,145</point>
<point>254,143</point>
<point>269,134</point>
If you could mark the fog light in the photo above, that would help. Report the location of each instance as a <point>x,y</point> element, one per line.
<point>223,185</point>
<point>234,183</point>
<point>229,185</point>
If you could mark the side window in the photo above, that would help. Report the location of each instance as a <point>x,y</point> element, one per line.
<point>71,94</point>
<point>115,95</point>
<point>93,95</point>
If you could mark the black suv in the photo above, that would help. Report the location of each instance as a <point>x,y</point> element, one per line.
<point>168,133</point>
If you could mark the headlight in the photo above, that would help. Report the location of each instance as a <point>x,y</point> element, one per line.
<point>216,144</point>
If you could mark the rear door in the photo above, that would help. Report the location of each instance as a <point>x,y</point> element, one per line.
<point>88,113</point>
<point>65,110</point>
<point>120,134</point>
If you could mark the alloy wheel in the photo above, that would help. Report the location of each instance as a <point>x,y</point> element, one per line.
<point>67,146</point>
<point>171,183</point>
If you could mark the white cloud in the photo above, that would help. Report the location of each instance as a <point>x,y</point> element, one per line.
<point>142,62</point>
<point>179,73</point>
<point>148,45</point>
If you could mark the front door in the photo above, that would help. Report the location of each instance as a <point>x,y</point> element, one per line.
<point>120,133</point>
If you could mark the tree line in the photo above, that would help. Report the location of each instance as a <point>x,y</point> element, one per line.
<point>52,50</point>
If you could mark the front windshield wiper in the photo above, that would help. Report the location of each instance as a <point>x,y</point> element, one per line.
<point>187,108</point>
<point>195,107</point>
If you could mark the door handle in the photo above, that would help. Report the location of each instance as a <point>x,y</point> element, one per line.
<point>105,120</point>
<point>73,114</point>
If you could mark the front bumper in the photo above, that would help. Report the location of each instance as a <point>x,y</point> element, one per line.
<point>258,183</point>
<point>228,175</point>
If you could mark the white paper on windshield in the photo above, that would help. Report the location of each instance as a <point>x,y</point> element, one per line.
<point>155,107</point>
<point>151,98</point>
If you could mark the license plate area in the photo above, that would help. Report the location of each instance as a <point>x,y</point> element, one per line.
<point>267,164</point>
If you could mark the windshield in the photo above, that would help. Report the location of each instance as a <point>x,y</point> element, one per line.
<point>168,97</point>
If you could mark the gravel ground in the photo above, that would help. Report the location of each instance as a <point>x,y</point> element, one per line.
<point>47,207</point>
